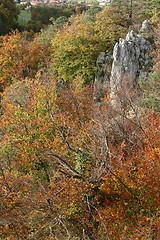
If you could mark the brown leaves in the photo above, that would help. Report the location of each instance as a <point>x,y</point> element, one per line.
<point>20,58</point>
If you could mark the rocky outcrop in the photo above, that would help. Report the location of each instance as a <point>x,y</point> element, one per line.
<point>145,26</point>
<point>130,59</point>
<point>146,31</point>
<point>102,77</point>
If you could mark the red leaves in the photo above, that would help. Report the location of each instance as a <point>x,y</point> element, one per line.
<point>20,58</point>
<point>66,162</point>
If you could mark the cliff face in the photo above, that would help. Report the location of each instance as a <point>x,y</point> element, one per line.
<point>130,59</point>
<point>102,77</point>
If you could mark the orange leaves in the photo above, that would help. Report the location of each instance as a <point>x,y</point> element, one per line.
<point>12,57</point>
<point>20,58</point>
<point>38,121</point>
<point>137,165</point>
<point>64,156</point>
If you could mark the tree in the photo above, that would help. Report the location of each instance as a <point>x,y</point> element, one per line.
<point>20,58</point>
<point>110,25</point>
<point>48,34</point>
<point>77,46</point>
<point>8,16</point>
<point>75,50</point>
<point>151,98</point>
<point>13,57</point>
<point>124,7</point>
<point>44,13</point>
<point>67,162</point>
<point>90,14</point>
<point>69,167</point>
<point>44,124</point>
<point>149,8</point>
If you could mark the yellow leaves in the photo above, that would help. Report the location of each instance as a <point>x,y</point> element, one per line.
<point>75,50</point>
<point>77,46</point>
<point>110,25</point>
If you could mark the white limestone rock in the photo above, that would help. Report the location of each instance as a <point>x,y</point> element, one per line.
<point>130,59</point>
<point>122,67</point>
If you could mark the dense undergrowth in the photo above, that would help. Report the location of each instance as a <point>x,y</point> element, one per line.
<point>72,169</point>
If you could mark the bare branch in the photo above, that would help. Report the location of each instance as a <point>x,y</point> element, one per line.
<point>101,220</point>
<point>63,163</point>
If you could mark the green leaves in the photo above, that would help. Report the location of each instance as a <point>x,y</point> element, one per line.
<point>8,15</point>
<point>77,45</point>
<point>74,53</point>
<point>151,90</point>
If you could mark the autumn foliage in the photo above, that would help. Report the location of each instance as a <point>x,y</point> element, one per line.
<point>61,164</point>
<point>72,168</point>
<point>20,58</point>
<point>8,16</point>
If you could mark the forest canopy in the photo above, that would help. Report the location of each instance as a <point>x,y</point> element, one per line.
<point>72,168</point>
<point>8,15</point>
